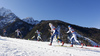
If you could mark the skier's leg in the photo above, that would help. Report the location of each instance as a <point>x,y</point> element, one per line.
<point>59,39</point>
<point>40,38</point>
<point>75,38</point>
<point>37,38</point>
<point>52,38</point>
<point>72,41</point>
<point>58,35</point>
<point>72,38</point>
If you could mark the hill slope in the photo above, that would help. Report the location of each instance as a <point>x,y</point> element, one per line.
<point>18,24</point>
<point>18,47</point>
<point>91,33</point>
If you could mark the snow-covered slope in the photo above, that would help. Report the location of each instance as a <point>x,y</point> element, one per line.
<point>7,17</point>
<point>30,20</point>
<point>18,47</point>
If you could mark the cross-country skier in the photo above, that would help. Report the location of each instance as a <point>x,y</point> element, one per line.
<point>73,35</point>
<point>39,36</point>
<point>54,33</point>
<point>58,37</point>
<point>4,32</point>
<point>18,33</point>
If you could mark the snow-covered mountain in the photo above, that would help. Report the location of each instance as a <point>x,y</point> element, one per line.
<point>4,12</point>
<point>6,17</point>
<point>18,47</point>
<point>10,22</point>
<point>30,20</point>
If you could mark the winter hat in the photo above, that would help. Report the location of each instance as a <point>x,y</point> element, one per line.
<point>36,30</point>
<point>50,23</point>
<point>69,26</point>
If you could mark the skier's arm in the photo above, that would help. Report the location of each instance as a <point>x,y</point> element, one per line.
<point>15,30</point>
<point>35,32</point>
<point>68,31</point>
<point>49,30</point>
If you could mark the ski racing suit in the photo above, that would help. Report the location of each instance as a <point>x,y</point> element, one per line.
<point>55,33</point>
<point>73,35</point>
<point>4,32</point>
<point>18,33</point>
<point>39,36</point>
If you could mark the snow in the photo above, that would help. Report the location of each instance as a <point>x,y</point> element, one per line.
<point>21,47</point>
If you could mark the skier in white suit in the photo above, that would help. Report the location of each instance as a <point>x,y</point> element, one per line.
<point>39,35</point>
<point>73,35</point>
<point>19,35</point>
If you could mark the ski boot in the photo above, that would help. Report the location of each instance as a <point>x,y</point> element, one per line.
<point>62,43</point>
<point>71,46</point>
<point>50,44</point>
<point>82,44</point>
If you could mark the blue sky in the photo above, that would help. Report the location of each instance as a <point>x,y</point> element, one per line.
<point>84,13</point>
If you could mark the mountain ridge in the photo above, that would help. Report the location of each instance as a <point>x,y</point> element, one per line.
<point>30,20</point>
<point>10,22</point>
<point>83,31</point>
